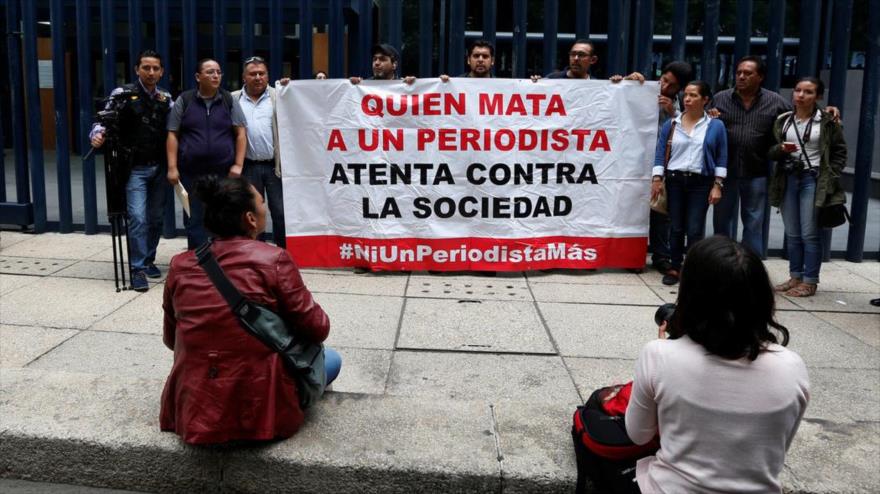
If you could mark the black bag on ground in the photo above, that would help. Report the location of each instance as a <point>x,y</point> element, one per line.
<point>303,361</point>
<point>605,454</point>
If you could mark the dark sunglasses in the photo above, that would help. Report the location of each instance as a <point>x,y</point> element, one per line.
<point>254,59</point>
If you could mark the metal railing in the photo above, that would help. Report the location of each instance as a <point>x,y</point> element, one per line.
<point>630,42</point>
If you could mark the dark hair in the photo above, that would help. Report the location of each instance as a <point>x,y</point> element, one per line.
<point>202,62</point>
<point>582,41</point>
<point>703,86</point>
<point>148,54</point>
<point>758,61</point>
<point>481,43</point>
<point>664,313</point>
<point>682,71</point>
<point>725,301</point>
<point>321,72</point>
<point>226,199</point>
<point>820,86</point>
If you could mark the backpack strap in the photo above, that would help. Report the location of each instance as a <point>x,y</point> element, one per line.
<point>186,98</point>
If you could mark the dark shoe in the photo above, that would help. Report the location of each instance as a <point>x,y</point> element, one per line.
<point>670,278</point>
<point>875,302</point>
<point>662,266</point>
<point>360,270</point>
<point>152,271</point>
<point>139,281</point>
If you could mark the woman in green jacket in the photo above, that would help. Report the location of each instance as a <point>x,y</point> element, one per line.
<point>811,153</point>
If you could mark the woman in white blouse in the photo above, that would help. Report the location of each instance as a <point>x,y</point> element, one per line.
<point>691,157</point>
<point>725,397</point>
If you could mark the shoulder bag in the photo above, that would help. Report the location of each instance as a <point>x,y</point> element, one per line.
<point>660,203</point>
<point>303,361</point>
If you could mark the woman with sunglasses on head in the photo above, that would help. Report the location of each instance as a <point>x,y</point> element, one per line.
<point>225,384</point>
<point>691,158</point>
<point>811,154</point>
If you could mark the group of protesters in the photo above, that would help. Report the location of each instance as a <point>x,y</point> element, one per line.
<point>223,149</point>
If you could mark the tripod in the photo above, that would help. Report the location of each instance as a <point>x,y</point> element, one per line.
<point>118,230</point>
<point>116,172</point>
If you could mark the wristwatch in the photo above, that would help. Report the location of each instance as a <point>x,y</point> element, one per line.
<point>719,183</point>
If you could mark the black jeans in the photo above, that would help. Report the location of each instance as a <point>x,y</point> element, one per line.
<point>688,197</point>
<point>262,175</point>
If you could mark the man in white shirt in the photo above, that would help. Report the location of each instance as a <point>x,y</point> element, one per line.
<point>262,166</point>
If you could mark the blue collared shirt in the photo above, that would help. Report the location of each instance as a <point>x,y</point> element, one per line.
<point>261,146</point>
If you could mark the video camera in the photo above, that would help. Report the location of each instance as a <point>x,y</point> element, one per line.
<point>113,104</point>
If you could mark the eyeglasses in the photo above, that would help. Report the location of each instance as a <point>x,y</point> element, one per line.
<point>254,59</point>
<point>579,54</point>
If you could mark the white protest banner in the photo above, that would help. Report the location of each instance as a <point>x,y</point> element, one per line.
<point>499,175</point>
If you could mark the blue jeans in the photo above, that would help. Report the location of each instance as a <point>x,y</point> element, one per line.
<point>145,202</point>
<point>194,223</point>
<point>801,227</point>
<point>688,202</point>
<point>262,176</point>
<point>658,232</point>
<point>332,364</point>
<point>753,192</point>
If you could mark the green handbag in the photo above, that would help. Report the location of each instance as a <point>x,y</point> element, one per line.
<point>303,361</point>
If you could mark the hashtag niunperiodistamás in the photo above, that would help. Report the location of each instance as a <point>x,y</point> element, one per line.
<point>345,251</point>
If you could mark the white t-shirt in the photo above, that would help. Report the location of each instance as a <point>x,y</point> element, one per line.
<point>724,425</point>
<point>811,145</point>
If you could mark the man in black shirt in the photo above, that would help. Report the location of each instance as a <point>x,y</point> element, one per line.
<point>581,57</point>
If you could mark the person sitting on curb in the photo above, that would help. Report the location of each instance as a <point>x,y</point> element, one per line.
<point>225,384</point>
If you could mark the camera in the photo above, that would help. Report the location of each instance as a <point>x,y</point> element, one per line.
<point>793,164</point>
<point>113,104</point>
<point>664,313</point>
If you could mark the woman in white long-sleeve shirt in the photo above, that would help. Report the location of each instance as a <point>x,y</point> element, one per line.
<point>724,396</point>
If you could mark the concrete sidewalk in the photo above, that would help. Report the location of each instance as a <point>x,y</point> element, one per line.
<point>449,383</point>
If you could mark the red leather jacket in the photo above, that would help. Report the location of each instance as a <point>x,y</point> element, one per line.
<point>225,384</point>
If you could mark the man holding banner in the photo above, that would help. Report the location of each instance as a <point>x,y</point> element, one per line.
<point>500,175</point>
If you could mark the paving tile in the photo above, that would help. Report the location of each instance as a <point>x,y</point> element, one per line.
<point>469,288</point>
<point>8,239</point>
<point>837,302</point>
<point>143,314</point>
<point>591,374</point>
<point>363,371</point>
<point>822,345</point>
<point>102,270</point>
<point>604,331</point>
<point>834,457</point>
<point>481,376</point>
<point>22,344</point>
<point>387,444</point>
<point>48,302</point>
<point>32,266</point>
<point>392,285</point>
<point>10,282</point>
<point>485,326</point>
<point>361,321</point>
<point>869,270</point>
<point>865,327</point>
<point>859,389</point>
<point>596,294</point>
<point>535,444</point>
<point>583,277</point>
<point>167,249</point>
<point>110,354</point>
<point>56,246</point>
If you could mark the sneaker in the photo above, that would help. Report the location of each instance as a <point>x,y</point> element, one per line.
<point>139,281</point>
<point>670,278</point>
<point>152,271</point>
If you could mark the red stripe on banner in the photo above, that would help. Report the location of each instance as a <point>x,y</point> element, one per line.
<point>468,253</point>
